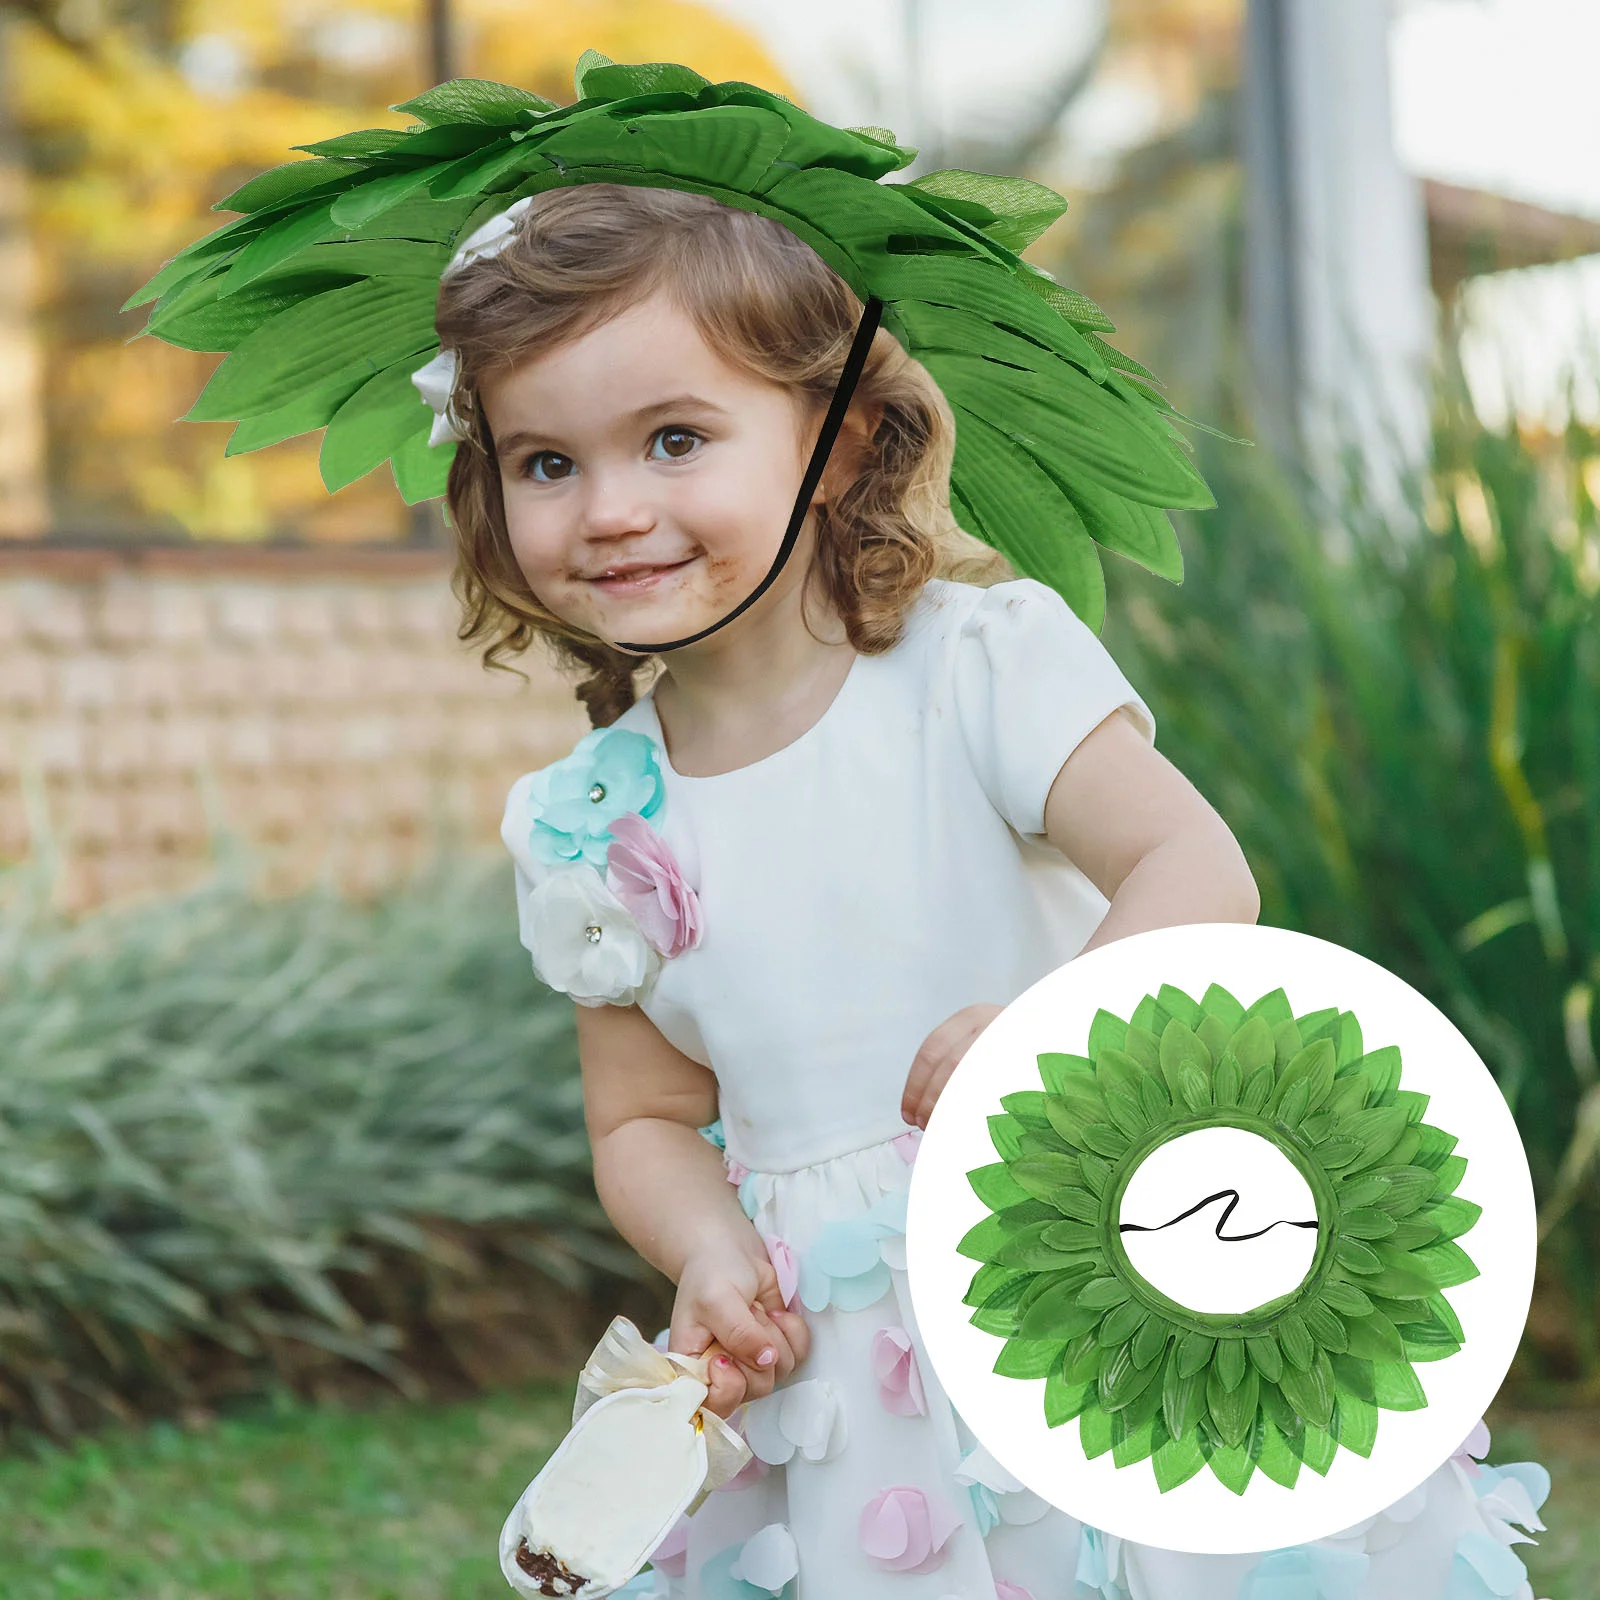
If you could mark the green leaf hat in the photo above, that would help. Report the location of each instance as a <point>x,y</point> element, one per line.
<point>1283,1385</point>
<point>323,293</point>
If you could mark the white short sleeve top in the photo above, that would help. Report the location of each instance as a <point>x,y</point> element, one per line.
<point>881,871</point>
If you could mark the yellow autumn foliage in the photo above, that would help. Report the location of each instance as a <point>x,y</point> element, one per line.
<point>130,150</point>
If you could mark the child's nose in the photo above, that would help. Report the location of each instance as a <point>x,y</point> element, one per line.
<point>617,502</point>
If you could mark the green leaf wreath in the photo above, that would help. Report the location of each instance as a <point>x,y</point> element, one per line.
<point>1285,1384</point>
<point>323,292</point>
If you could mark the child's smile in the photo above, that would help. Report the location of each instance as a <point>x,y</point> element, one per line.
<point>647,482</point>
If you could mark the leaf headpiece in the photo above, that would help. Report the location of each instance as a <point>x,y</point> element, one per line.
<point>323,295</point>
<point>1283,1385</point>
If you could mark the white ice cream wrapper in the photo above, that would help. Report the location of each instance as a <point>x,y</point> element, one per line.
<point>641,1452</point>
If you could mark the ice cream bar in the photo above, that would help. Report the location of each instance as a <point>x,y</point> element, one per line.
<point>641,1452</point>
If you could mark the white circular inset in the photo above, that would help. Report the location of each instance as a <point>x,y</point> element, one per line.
<point>1202,1515</point>
<point>1219,1220</point>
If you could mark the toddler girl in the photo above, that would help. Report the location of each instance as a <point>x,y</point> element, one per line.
<point>831,840</point>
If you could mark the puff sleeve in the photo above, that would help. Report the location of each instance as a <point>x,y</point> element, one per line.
<point>1031,680</point>
<point>527,872</point>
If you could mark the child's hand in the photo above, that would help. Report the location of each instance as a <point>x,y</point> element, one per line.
<point>938,1057</point>
<point>728,1305</point>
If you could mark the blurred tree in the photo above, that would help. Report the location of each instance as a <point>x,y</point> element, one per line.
<point>132,116</point>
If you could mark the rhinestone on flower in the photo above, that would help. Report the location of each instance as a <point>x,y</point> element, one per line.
<point>597,792</point>
<point>592,933</point>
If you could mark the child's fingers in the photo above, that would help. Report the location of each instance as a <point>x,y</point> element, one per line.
<point>725,1385</point>
<point>797,1333</point>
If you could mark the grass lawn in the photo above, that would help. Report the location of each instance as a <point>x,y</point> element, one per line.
<point>405,1503</point>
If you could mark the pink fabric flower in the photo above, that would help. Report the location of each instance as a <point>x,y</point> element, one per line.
<point>904,1531</point>
<point>894,1365</point>
<point>644,875</point>
<point>907,1143</point>
<point>787,1268</point>
<point>737,1170</point>
<point>1010,1591</point>
<point>671,1556</point>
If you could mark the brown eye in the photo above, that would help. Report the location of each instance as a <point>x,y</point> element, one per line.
<point>676,443</point>
<point>546,466</point>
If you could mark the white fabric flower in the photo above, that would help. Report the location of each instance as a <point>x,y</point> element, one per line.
<point>436,381</point>
<point>767,1559</point>
<point>489,239</point>
<point>808,1416</point>
<point>583,941</point>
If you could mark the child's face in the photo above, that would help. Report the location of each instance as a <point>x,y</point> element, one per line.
<point>647,482</point>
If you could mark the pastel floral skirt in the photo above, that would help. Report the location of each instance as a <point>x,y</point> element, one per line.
<point>865,1484</point>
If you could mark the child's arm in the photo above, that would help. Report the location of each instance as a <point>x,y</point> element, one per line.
<point>666,1191</point>
<point>1147,840</point>
<point>1145,837</point>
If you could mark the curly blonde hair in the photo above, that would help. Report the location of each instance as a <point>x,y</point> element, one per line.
<point>764,302</point>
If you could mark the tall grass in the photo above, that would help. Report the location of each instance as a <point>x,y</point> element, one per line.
<point>247,1144</point>
<point>1400,718</point>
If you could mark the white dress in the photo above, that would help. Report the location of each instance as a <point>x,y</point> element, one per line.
<point>859,886</point>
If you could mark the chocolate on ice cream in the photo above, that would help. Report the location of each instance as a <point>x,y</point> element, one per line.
<point>552,1575</point>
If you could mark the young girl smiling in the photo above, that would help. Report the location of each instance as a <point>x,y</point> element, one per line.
<point>899,801</point>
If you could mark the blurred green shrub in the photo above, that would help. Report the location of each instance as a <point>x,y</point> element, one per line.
<point>248,1144</point>
<point>1400,719</point>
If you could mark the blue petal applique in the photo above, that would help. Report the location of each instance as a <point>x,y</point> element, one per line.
<point>984,1507</point>
<point>1534,1479</point>
<point>1484,1569</point>
<point>845,1265</point>
<point>1306,1572</point>
<point>1096,1568</point>
<point>846,1249</point>
<point>713,1132</point>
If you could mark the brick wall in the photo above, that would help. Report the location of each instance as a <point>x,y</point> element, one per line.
<point>313,703</point>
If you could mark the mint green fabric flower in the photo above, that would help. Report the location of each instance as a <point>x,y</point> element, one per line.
<point>610,772</point>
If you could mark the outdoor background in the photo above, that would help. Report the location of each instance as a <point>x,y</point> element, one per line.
<point>299,1251</point>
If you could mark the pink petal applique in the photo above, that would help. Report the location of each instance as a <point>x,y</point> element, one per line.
<point>906,1143</point>
<point>787,1268</point>
<point>645,876</point>
<point>737,1170</point>
<point>672,1554</point>
<point>894,1365</point>
<point>1010,1591</point>
<point>904,1531</point>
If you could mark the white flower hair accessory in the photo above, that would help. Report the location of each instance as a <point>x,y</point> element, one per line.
<point>436,381</point>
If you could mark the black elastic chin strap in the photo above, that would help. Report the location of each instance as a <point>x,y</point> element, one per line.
<point>854,362</point>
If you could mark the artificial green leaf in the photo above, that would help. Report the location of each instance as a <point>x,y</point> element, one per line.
<point>990,1278</point>
<point>1027,1106</point>
<point>1028,1358</point>
<point>1233,1409</point>
<point>421,472</point>
<point>1396,1386</point>
<point>1005,1133</point>
<point>996,1185</point>
<point>311,410</point>
<point>370,426</point>
<point>1062,1400</point>
<point>1194,1352</point>
<point>1177,1461</point>
<point>474,100</point>
<point>373,323</point>
<point>1310,1391</point>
